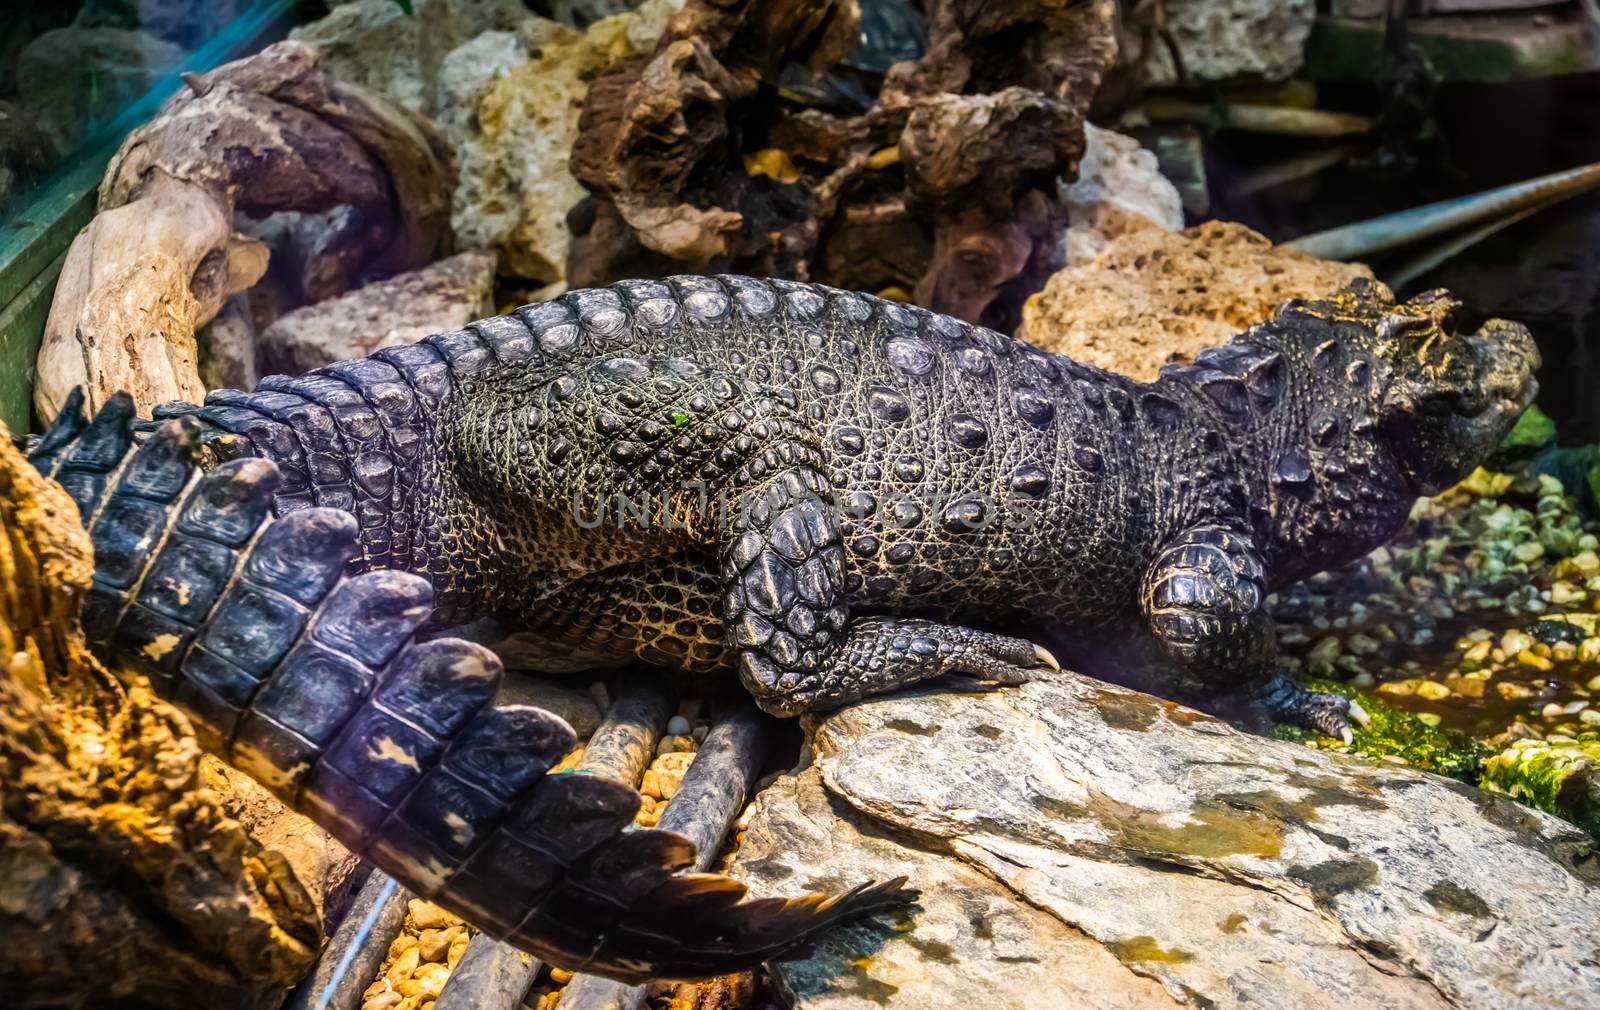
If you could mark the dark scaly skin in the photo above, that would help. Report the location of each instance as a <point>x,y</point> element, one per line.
<point>313,682</point>
<point>902,488</point>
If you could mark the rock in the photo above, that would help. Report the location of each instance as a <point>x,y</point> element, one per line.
<point>427,915</point>
<point>124,880</point>
<point>585,12</point>
<point>1234,871</point>
<point>189,23</point>
<point>376,44</point>
<point>1558,775</point>
<point>439,297</point>
<point>507,89</point>
<point>74,76</point>
<point>970,943</point>
<point>509,103</point>
<point>1119,189</point>
<point>1152,296</point>
<point>1229,39</point>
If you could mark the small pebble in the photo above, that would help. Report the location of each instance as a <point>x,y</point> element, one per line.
<point>1527,657</point>
<point>458,947</point>
<point>404,965</point>
<point>1432,690</point>
<point>1565,594</point>
<point>1325,651</point>
<point>1515,641</point>
<point>1362,645</point>
<point>678,726</point>
<point>427,915</point>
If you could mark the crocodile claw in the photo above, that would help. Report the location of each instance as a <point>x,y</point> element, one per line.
<point>1359,714</point>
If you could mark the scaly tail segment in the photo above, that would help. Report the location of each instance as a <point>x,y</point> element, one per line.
<point>313,683</point>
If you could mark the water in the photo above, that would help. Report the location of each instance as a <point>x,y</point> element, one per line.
<point>1543,271</point>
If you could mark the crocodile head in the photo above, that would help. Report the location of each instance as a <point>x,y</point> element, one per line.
<point>1447,399</point>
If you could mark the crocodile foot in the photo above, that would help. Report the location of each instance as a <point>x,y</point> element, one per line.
<point>1287,701</point>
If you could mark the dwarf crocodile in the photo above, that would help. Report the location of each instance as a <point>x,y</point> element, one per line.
<point>831,494</point>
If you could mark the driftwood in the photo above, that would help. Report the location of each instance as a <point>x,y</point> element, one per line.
<point>705,806</point>
<point>123,878</point>
<point>493,973</point>
<point>945,187</point>
<point>270,150</point>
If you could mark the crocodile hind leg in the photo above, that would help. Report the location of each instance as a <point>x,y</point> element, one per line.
<point>679,455</point>
<point>313,682</point>
<point>1203,598</point>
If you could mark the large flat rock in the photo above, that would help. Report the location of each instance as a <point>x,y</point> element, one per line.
<point>1078,844</point>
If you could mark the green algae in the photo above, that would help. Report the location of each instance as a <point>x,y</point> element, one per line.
<point>1145,948</point>
<point>987,731</point>
<point>1233,923</point>
<point>1212,830</point>
<point>1065,809</point>
<point>914,728</point>
<point>1394,732</point>
<point>1560,776</point>
<point>1533,430</point>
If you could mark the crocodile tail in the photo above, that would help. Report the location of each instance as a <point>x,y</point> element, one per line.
<point>314,683</point>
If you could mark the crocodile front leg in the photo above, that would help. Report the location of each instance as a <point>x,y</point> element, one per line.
<point>1203,600</point>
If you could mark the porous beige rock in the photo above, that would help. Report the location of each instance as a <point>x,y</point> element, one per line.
<point>441,296</point>
<point>509,103</point>
<point>1076,842</point>
<point>1151,296</point>
<point>376,44</point>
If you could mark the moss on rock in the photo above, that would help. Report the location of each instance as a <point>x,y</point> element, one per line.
<point>1395,733</point>
<point>1560,775</point>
